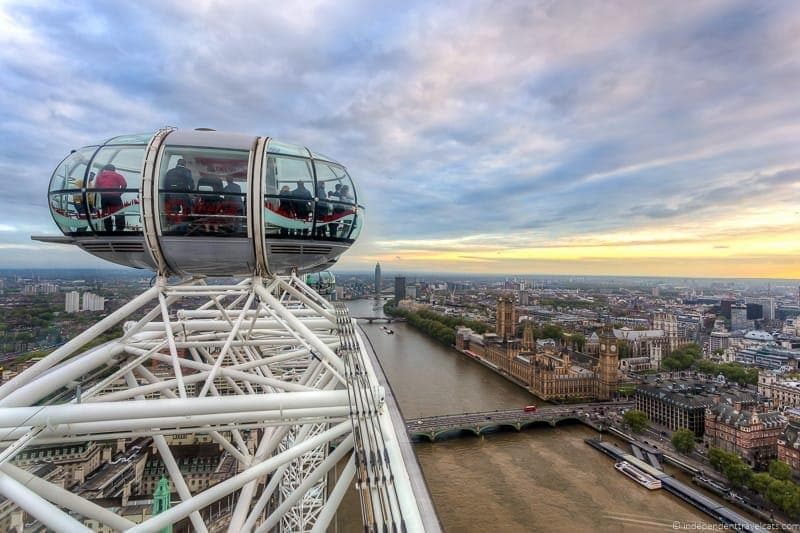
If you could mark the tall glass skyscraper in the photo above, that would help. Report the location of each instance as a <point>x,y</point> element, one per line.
<point>378,280</point>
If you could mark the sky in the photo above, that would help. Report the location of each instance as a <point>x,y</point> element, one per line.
<point>558,137</point>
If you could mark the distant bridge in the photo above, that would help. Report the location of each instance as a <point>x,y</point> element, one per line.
<point>387,319</point>
<point>433,427</point>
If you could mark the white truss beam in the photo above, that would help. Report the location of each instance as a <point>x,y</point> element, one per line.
<point>65,498</point>
<point>136,409</point>
<point>68,372</point>
<point>336,496</point>
<point>237,482</point>
<point>180,423</point>
<point>44,511</point>
<point>265,368</point>
<point>313,478</point>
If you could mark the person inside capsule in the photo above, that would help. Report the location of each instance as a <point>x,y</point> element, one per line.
<point>111,183</point>
<point>302,204</point>
<point>177,202</point>
<point>209,205</point>
<point>321,211</point>
<point>232,204</point>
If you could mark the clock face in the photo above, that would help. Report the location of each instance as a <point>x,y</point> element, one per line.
<point>602,346</point>
<point>613,348</point>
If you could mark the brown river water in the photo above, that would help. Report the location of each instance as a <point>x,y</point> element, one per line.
<point>542,479</point>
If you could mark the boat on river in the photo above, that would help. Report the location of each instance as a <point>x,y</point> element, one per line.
<point>642,478</point>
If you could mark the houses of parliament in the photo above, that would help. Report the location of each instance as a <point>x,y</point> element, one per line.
<point>542,366</point>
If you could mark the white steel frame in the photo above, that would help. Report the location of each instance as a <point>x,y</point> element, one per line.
<point>267,355</point>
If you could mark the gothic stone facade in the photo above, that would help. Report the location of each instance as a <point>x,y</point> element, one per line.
<point>548,373</point>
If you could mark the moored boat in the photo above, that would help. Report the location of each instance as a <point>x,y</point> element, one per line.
<point>642,478</point>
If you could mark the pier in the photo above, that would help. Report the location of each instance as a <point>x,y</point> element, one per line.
<point>712,508</point>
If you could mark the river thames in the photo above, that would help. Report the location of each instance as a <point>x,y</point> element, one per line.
<point>542,479</point>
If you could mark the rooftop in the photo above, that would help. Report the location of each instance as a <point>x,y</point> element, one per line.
<point>732,415</point>
<point>694,392</point>
<point>758,335</point>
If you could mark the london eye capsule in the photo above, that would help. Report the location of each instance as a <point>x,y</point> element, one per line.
<point>202,202</point>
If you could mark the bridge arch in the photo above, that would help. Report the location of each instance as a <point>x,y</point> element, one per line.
<point>569,419</point>
<point>537,423</point>
<point>516,426</point>
<point>454,432</point>
<point>430,436</point>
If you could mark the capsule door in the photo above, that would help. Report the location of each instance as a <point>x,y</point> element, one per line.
<point>202,181</point>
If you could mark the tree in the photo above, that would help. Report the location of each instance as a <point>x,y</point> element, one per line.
<point>715,457</point>
<point>578,341</point>
<point>693,350</point>
<point>732,467</point>
<point>792,504</point>
<point>683,358</point>
<point>739,474</point>
<point>683,440</point>
<point>780,470</point>
<point>722,460</point>
<point>635,420</point>
<point>624,350</point>
<point>552,331</point>
<point>439,327</point>
<point>706,367</point>
<point>732,371</point>
<point>760,482</point>
<point>780,492</point>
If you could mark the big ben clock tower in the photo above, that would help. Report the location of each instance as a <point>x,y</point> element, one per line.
<point>607,367</point>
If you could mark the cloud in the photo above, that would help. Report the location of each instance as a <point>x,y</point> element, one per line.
<point>500,126</point>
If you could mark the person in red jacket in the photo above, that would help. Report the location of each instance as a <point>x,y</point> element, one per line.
<point>111,184</point>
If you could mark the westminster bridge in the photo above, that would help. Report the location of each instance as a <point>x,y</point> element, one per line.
<point>433,427</point>
<point>386,319</point>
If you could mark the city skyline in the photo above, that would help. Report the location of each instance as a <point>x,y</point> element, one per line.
<point>517,139</point>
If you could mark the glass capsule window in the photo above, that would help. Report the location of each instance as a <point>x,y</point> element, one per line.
<point>321,157</point>
<point>288,196</point>
<point>96,190</point>
<point>203,191</point>
<point>67,196</point>
<point>277,147</point>
<point>307,199</point>
<point>358,223</point>
<point>69,174</point>
<point>137,138</point>
<point>335,207</point>
<point>69,213</point>
<point>112,189</point>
